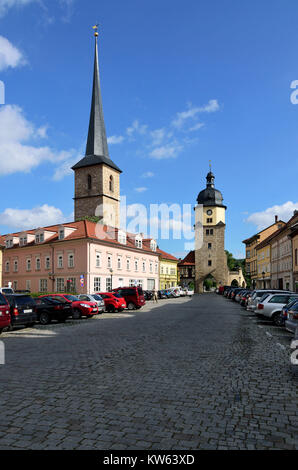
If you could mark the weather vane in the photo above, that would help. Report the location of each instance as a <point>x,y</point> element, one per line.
<point>210,164</point>
<point>95,27</point>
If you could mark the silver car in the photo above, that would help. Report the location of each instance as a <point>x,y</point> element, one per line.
<point>292,318</point>
<point>94,298</point>
<point>270,305</point>
<point>254,299</point>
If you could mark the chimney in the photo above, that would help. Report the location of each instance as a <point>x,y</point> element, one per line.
<point>276,218</point>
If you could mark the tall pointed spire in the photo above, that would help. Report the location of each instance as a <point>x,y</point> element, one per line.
<point>97,144</point>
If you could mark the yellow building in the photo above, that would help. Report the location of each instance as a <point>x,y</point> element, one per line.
<point>251,257</point>
<point>263,253</point>
<point>168,270</point>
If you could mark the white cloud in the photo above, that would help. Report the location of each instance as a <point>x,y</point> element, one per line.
<point>141,190</point>
<point>265,218</point>
<point>148,174</point>
<point>166,151</point>
<point>24,219</point>
<point>136,128</point>
<point>192,112</point>
<point>5,5</point>
<point>196,127</point>
<point>17,154</point>
<point>115,139</point>
<point>10,56</point>
<point>158,136</point>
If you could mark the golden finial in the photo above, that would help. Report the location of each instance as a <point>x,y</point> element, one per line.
<point>95,27</point>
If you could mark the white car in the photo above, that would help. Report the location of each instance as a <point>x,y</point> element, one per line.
<point>94,298</point>
<point>270,305</point>
<point>6,290</point>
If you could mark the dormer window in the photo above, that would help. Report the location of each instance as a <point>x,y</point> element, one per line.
<point>37,239</point>
<point>61,234</point>
<point>153,245</point>
<point>139,242</point>
<point>122,237</point>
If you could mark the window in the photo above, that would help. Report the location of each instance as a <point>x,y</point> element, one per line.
<point>296,256</point>
<point>41,238</point>
<point>15,266</point>
<point>89,182</point>
<point>98,260</point>
<point>15,285</point>
<point>128,264</point>
<point>139,243</point>
<point>209,220</point>
<point>48,263</point>
<point>119,263</point>
<point>151,267</point>
<point>28,264</point>
<point>207,231</point>
<point>61,234</point>
<point>209,262</point>
<point>144,267</point>
<point>7,267</point>
<point>37,239</point>
<point>43,285</point>
<point>132,283</point>
<point>161,270</point>
<point>71,260</point>
<point>122,237</point>
<point>28,285</point>
<point>140,283</point>
<point>71,284</point>
<point>156,268</point>
<point>60,261</point>
<point>97,284</point>
<point>172,271</point>
<point>111,184</point>
<point>37,264</point>
<point>136,265</point>
<point>153,245</point>
<point>109,261</point>
<point>209,246</point>
<point>59,284</point>
<point>108,284</point>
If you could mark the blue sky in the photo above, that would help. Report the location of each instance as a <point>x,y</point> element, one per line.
<point>182,82</point>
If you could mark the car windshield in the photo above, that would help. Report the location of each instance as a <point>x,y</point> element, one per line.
<point>2,300</point>
<point>292,303</point>
<point>264,296</point>
<point>117,295</point>
<point>24,300</point>
<point>73,298</point>
<point>97,297</point>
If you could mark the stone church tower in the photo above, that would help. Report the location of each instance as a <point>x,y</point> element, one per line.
<point>97,178</point>
<point>210,256</point>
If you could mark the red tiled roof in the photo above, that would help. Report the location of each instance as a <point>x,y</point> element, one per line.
<point>189,259</point>
<point>166,255</point>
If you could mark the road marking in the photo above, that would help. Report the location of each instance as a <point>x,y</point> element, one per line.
<point>269,334</point>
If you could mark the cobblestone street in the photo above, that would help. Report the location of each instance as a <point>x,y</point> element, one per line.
<point>183,374</point>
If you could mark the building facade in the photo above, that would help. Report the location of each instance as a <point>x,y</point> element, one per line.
<point>186,269</point>
<point>294,237</point>
<point>79,257</point>
<point>168,270</point>
<point>210,256</point>
<point>263,254</point>
<point>251,257</point>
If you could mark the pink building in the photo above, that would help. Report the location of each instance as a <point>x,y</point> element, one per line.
<point>79,257</point>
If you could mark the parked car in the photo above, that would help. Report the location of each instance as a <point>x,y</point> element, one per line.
<point>284,312</point>
<point>134,296</point>
<point>79,307</point>
<point>239,294</point>
<point>94,298</point>
<point>162,294</point>
<point>6,290</point>
<point>4,313</point>
<point>113,302</point>
<point>291,323</point>
<point>244,298</point>
<point>22,310</point>
<point>258,294</point>
<point>148,295</point>
<point>48,309</point>
<point>235,292</point>
<point>271,305</point>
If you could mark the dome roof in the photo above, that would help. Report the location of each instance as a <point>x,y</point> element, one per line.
<point>210,196</point>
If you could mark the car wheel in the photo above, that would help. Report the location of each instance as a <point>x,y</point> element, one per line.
<point>76,314</point>
<point>44,318</point>
<point>131,306</point>
<point>277,319</point>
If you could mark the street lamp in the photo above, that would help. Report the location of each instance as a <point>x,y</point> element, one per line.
<point>263,274</point>
<point>111,271</point>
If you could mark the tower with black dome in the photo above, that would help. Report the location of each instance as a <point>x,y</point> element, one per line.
<point>210,256</point>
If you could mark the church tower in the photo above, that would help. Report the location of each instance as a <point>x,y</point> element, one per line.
<point>97,177</point>
<point>210,256</point>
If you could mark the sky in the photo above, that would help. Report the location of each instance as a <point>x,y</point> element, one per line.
<point>182,83</point>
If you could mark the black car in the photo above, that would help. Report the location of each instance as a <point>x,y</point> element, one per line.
<point>22,309</point>
<point>148,295</point>
<point>49,309</point>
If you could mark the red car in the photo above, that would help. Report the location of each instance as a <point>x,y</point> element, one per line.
<point>134,296</point>
<point>113,302</point>
<point>4,313</point>
<point>80,308</point>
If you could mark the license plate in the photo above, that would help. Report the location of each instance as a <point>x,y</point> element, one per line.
<point>28,311</point>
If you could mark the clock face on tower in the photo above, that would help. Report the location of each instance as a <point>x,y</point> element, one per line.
<point>209,212</point>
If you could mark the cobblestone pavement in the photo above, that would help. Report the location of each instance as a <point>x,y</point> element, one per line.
<point>185,374</point>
